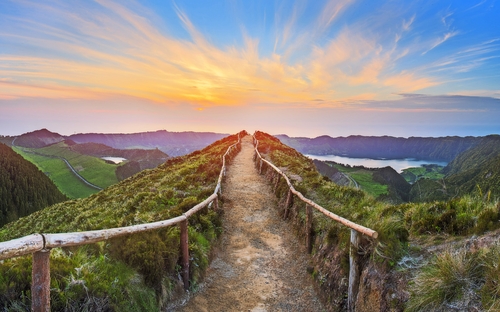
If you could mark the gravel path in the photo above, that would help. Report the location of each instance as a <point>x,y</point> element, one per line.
<point>259,266</point>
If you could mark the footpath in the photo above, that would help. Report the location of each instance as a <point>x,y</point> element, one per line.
<point>260,265</point>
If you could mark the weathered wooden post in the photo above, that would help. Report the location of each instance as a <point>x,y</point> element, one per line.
<point>308,228</point>
<point>353,270</point>
<point>277,182</point>
<point>40,281</point>
<point>216,203</point>
<point>185,253</point>
<point>288,203</point>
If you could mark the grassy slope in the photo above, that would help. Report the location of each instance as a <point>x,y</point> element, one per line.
<point>400,226</point>
<point>152,195</point>
<point>60,174</point>
<point>432,172</point>
<point>93,169</point>
<point>365,180</point>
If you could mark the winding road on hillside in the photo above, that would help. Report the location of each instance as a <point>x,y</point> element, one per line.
<point>260,266</point>
<point>70,167</point>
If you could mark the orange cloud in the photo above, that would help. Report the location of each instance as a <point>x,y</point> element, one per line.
<point>407,82</point>
<point>117,50</point>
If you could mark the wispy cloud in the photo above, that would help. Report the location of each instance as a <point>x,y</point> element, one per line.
<point>480,3</point>
<point>437,42</point>
<point>467,58</point>
<point>107,48</point>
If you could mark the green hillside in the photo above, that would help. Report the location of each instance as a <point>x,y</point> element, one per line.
<point>406,233</point>
<point>23,188</point>
<point>57,170</point>
<point>93,169</point>
<point>140,272</point>
<point>134,273</point>
<point>476,169</point>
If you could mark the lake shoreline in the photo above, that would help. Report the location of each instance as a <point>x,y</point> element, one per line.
<point>397,164</point>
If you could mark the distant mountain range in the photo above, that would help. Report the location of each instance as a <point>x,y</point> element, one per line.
<point>171,143</point>
<point>144,150</point>
<point>475,170</point>
<point>384,147</point>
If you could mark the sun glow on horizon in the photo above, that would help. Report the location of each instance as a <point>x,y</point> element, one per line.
<point>323,56</point>
<point>110,48</point>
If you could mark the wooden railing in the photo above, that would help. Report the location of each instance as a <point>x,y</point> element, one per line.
<point>354,271</point>
<point>40,244</point>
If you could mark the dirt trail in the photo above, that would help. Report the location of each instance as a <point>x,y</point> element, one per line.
<point>260,266</point>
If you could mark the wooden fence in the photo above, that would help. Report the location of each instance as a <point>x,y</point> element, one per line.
<point>356,229</point>
<point>40,244</point>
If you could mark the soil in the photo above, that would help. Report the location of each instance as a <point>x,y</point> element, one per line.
<point>260,265</point>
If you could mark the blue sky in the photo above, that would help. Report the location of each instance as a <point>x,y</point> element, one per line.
<point>304,68</point>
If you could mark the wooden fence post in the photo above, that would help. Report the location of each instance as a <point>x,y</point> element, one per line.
<point>185,253</point>
<point>277,182</point>
<point>40,284</point>
<point>289,202</point>
<point>308,228</point>
<point>353,270</point>
<point>216,203</point>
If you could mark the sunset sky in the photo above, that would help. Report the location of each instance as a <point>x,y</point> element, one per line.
<point>303,68</point>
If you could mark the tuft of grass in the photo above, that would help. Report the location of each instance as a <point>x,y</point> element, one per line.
<point>469,214</point>
<point>490,292</point>
<point>447,281</point>
<point>83,279</point>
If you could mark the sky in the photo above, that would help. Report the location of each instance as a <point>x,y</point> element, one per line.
<point>303,68</point>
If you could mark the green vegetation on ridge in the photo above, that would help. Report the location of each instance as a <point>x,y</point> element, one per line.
<point>151,258</point>
<point>399,227</point>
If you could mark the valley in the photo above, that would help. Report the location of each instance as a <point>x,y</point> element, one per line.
<point>414,221</point>
<point>76,163</point>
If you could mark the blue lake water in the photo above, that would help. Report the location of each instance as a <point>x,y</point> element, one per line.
<point>396,164</point>
<point>116,160</point>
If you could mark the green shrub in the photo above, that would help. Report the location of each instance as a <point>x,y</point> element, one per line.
<point>82,279</point>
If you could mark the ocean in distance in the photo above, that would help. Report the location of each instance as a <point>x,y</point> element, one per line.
<point>396,164</point>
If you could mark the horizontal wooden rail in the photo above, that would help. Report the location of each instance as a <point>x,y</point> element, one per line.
<point>21,246</point>
<point>90,237</point>
<point>40,244</point>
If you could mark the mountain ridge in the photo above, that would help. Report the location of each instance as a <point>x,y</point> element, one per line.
<point>383,147</point>
<point>169,142</point>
